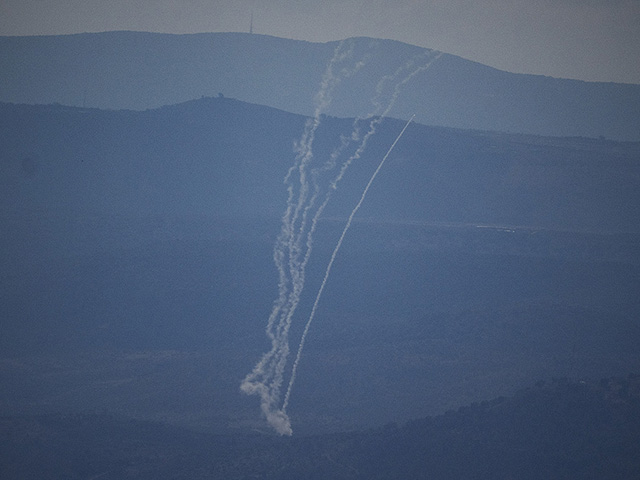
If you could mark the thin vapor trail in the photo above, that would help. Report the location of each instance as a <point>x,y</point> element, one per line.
<point>376,118</point>
<point>294,243</point>
<point>372,130</point>
<point>330,265</point>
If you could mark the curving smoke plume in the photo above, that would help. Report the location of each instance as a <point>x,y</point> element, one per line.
<point>307,197</point>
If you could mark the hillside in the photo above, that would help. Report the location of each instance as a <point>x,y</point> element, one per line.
<point>223,157</point>
<point>137,253</point>
<point>135,70</point>
<point>562,430</point>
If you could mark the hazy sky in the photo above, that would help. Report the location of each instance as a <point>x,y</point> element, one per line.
<point>583,39</point>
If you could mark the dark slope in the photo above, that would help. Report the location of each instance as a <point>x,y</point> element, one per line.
<point>138,275</point>
<point>561,431</point>
<point>201,157</point>
<point>144,70</point>
<point>225,157</point>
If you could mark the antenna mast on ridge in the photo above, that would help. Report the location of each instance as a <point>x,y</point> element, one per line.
<point>251,24</point>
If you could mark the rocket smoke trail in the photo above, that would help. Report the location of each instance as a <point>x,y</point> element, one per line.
<point>267,376</point>
<point>294,243</point>
<point>328,271</point>
<point>372,129</point>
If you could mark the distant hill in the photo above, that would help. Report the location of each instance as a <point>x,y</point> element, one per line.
<point>564,430</point>
<point>224,157</point>
<point>134,70</point>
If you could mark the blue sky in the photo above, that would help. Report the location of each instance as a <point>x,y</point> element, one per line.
<point>594,40</point>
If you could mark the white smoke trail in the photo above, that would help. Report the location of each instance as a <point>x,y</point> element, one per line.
<point>377,117</point>
<point>291,254</point>
<point>304,204</point>
<point>330,265</point>
<point>266,377</point>
<point>372,130</point>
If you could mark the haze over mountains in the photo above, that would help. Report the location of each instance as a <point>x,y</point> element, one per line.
<point>134,70</point>
<point>138,273</point>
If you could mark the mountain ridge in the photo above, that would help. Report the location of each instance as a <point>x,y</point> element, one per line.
<point>142,70</point>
